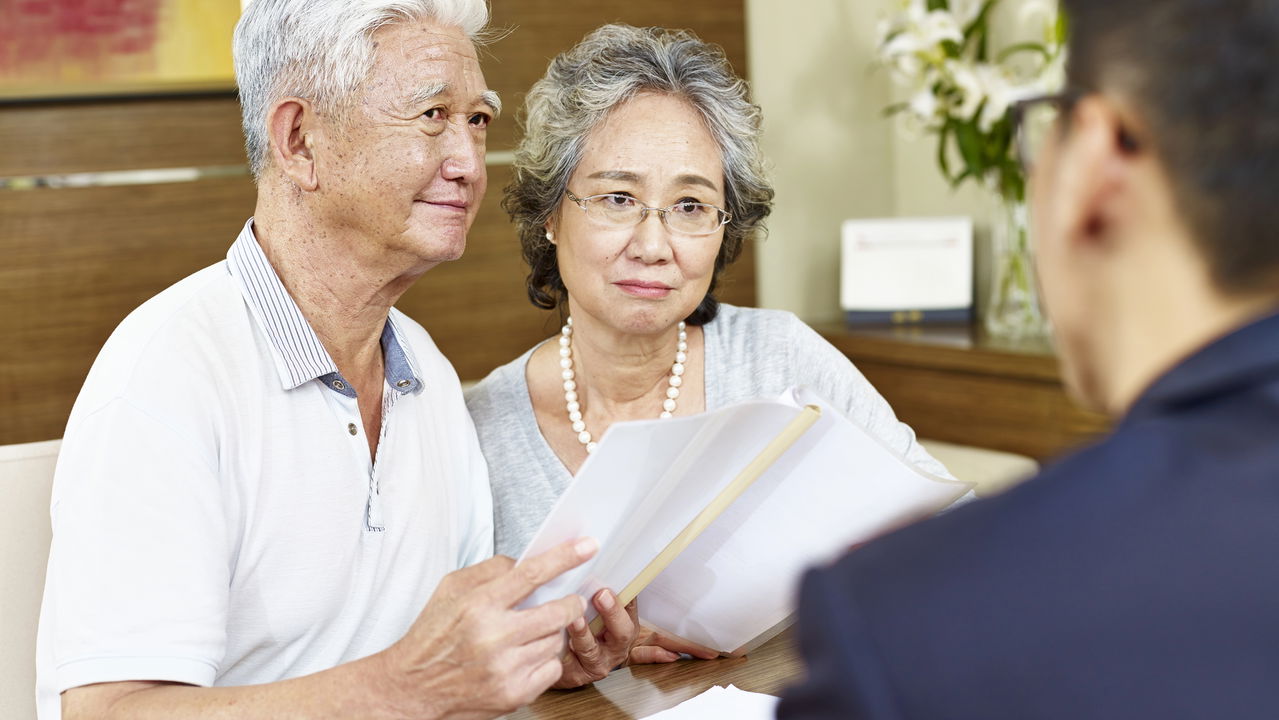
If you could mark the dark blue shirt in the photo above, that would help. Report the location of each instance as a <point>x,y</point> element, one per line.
<point>1138,578</point>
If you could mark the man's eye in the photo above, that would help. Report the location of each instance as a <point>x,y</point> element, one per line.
<point>481,120</point>
<point>434,113</point>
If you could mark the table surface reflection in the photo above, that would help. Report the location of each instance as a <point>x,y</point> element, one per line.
<point>643,690</point>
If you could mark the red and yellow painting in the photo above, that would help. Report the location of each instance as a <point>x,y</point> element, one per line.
<point>69,48</point>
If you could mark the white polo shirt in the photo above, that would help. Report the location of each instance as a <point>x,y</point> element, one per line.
<point>216,516</point>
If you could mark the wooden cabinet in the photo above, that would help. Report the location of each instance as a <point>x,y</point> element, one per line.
<point>959,385</point>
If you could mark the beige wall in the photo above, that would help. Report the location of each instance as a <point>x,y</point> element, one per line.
<point>829,147</point>
<point>834,155</point>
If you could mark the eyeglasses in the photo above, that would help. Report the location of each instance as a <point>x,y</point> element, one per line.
<point>1034,120</point>
<point>617,211</point>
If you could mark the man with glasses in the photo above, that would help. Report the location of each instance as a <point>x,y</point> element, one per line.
<point>1136,578</point>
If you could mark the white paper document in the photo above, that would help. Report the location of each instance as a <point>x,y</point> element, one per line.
<point>729,703</point>
<point>734,586</point>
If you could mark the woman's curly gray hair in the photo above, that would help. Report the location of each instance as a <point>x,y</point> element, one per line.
<point>609,66</point>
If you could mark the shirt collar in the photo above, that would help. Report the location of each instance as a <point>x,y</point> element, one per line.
<point>1240,359</point>
<point>299,355</point>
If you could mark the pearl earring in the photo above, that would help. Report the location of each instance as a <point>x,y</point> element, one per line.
<point>550,236</point>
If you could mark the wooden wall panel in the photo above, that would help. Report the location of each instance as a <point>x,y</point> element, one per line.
<point>540,29</point>
<point>64,137</point>
<point>78,260</point>
<point>126,134</point>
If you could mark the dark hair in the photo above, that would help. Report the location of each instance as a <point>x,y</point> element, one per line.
<point>609,66</point>
<point>1205,76</point>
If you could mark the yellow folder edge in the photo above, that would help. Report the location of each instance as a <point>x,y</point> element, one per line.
<point>749,474</point>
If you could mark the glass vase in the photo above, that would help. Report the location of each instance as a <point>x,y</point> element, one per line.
<point>1013,308</point>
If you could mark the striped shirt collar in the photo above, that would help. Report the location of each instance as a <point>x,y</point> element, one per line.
<point>300,357</point>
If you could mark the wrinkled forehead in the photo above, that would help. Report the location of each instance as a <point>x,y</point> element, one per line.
<point>413,54</point>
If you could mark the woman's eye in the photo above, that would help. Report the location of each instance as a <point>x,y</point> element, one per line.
<point>689,207</point>
<point>481,120</point>
<point>619,200</point>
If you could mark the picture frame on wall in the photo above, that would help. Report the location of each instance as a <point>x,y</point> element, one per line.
<point>103,48</point>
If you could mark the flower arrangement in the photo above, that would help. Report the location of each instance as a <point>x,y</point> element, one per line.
<point>962,87</point>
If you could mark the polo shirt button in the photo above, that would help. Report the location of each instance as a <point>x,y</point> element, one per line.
<point>404,383</point>
<point>339,385</point>
<point>351,427</point>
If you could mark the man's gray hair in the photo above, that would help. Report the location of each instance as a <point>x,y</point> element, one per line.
<point>609,66</point>
<point>321,50</point>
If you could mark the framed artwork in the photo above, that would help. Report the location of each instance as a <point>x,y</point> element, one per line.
<point>907,270</point>
<point>79,48</point>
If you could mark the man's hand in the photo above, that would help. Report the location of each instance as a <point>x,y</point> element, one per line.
<point>592,657</point>
<point>470,653</point>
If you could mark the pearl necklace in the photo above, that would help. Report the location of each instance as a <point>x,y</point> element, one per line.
<point>570,385</point>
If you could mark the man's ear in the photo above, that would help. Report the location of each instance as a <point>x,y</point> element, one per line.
<point>290,124</point>
<point>1096,171</point>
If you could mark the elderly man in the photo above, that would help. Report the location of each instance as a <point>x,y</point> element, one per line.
<point>1136,579</point>
<point>269,470</point>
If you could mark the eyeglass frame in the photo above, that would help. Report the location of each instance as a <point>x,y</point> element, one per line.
<point>724,216</point>
<point>1065,102</point>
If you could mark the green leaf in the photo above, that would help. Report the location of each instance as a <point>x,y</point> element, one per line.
<point>942,139</point>
<point>895,108</point>
<point>977,33</point>
<point>982,21</point>
<point>938,5</point>
<point>969,140</point>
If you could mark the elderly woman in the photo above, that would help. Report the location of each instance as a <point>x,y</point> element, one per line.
<point>637,182</point>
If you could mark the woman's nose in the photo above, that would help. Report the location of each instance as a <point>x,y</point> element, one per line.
<point>651,239</point>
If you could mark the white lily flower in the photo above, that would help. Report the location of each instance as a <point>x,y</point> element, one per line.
<point>939,26</point>
<point>924,35</point>
<point>1041,14</point>
<point>971,90</point>
<point>965,11</point>
<point>923,105</point>
<point>1052,78</point>
<point>999,95</point>
<point>883,28</point>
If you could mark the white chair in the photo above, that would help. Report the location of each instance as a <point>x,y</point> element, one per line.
<point>26,478</point>
<point>992,470</point>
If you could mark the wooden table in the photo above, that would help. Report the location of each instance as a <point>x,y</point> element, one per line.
<point>647,689</point>
<point>959,384</point>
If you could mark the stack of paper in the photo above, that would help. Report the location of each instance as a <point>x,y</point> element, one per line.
<point>732,587</point>
<point>722,702</point>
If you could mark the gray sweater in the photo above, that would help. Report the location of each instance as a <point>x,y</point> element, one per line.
<point>750,353</point>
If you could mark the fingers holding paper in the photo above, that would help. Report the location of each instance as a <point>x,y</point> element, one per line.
<point>655,646</point>
<point>591,657</point>
<point>472,648</point>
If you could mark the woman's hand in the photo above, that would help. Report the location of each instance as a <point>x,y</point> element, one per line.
<point>592,657</point>
<point>654,646</point>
